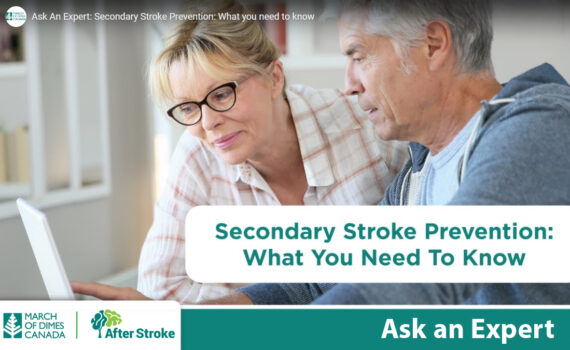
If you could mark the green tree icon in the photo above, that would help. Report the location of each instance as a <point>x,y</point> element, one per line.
<point>98,321</point>
<point>114,319</point>
<point>12,328</point>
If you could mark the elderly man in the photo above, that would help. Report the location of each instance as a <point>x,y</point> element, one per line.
<point>422,70</point>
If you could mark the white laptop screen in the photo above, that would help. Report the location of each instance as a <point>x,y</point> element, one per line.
<point>45,251</point>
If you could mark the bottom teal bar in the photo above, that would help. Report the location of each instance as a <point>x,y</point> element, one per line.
<point>376,328</point>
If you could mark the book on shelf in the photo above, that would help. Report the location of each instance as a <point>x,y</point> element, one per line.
<point>23,153</point>
<point>17,155</point>
<point>275,26</point>
<point>3,165</point>
<point>11,49</point>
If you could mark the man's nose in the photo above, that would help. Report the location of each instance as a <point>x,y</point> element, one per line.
<point>352,84</point>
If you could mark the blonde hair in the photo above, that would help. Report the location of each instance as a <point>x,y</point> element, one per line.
<point>216,46</point>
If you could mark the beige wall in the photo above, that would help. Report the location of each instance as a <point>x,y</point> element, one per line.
<point>527,33</point>
<point>531,33</point>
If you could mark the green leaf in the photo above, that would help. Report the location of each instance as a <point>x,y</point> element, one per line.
<point>114,319</point>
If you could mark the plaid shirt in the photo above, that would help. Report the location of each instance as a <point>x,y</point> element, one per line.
<point>345,163</point>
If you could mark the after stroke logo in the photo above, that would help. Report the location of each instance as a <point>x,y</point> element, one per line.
<point>106,318</point>
<point>12,325</point>
<point>112,320</point>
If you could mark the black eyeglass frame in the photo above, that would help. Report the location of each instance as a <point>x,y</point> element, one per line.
<point>232,84</point>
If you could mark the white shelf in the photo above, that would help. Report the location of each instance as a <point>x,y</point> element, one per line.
<point>12,70</point>
<point>8,207</point>
<point>12,190</point>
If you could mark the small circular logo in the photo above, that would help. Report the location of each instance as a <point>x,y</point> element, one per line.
<point>16,16</point>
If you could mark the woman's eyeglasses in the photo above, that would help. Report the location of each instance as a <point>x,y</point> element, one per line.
<point>220,99</point>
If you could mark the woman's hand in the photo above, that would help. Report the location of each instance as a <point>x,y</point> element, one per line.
<point>106,292</point>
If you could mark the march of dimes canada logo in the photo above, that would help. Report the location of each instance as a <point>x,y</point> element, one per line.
<point>32,325</point>
<point>16,16</point>
<point>111,320</point>
<point>12,325</point>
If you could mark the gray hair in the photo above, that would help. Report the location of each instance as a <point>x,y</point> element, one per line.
<point>404,22</point>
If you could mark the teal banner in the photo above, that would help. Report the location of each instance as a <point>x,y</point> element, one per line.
<point>376,328</point>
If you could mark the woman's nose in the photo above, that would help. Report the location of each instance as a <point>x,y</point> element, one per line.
<point>210,118</point>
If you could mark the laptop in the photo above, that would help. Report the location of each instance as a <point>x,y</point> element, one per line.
<point>45,251</point>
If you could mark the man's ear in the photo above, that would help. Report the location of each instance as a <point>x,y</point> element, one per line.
<point>438,49</point>
<point>277,78</point>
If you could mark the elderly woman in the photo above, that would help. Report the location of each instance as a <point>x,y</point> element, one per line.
<point>248,141</point>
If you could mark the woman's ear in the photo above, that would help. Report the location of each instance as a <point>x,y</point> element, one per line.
<point>277,78</point>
